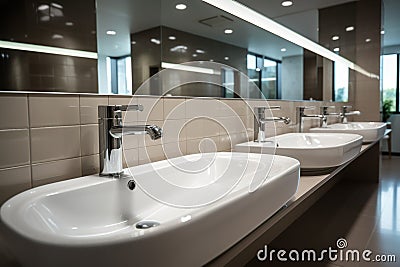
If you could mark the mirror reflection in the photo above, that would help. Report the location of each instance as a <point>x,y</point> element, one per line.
<point>202,32</point>
<point>136,39</point>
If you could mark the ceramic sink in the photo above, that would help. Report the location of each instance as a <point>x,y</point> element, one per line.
<point>99,221</point>
<point>371,131</point>
<point>313,150</point>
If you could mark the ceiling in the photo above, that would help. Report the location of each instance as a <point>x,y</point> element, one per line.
<point>127,16</point>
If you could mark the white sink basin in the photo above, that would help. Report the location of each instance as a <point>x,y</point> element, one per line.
<point>371,131</point>
<point>92,220</point>
<point>313,150</point>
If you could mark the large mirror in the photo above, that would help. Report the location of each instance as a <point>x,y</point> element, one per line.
<point>135,39</point>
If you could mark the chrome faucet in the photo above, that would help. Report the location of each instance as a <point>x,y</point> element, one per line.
<point>325,114</point>
<point>300,117</point>
<point>111,131</point>
<point>260,120</point>
<point>345,113</point>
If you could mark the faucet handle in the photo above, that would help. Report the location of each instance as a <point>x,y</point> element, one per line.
<point>328,107</point>
<point>131,107</point>
<point>114,111</point>
<point>263,108</point>
<point>324,109</point>
<point>302,108</point>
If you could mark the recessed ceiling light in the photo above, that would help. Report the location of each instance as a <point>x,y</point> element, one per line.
<point>226,58</point>
<point>350,28</point>
<point>228,31</point>
<point>111,32</point>
<point>199,51</point>
<point>43,7</point>
<point>69,23</point>
<point>171,37</point>
<point>283,49</point>
<point>181,6</point>
<point>194,55</point>
<point>179,49</point>
<point>155,41</point>
<point>367,40</point>
<point>57,36</point>
<point>287,3</point>
<point>336,49</point>
<point>56,5</point>
<point>335,38</point>
<point>133,42</point>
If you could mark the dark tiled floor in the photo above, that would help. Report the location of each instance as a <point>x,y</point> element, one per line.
<point>366,215</point>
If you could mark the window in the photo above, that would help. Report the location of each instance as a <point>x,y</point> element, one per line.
<point>264,73</point>
<point>341,82</point>
<point>389,81</point>
<point>119,75</point>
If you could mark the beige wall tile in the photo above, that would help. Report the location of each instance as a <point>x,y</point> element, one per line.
<point>212,108</point>
<point>174,108</point>
<point>130,158</point>
<point>173,131</point>
<point>89,108</point>
<point>151,154</point>
<point>131,141</point>
<point>121,100</point>
<point>173,150</point>
<point>202,127</point>
<point>89,139</point>
<point>13,181</point>
<point>55,171</point>
<point>14,146</point>
<point>54,143</point>
<point>90,165</point>
<point>53,110</point>
<point>13,111</point>
<point>204,145</point>
<point>238,106</point>
<point>232,125</point>
<point>153,109</point>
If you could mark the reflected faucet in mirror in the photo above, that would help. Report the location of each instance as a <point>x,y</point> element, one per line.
<point>111,131</point>
<point>345,113</point>
<point>325,114</point>
<point>260,120</point>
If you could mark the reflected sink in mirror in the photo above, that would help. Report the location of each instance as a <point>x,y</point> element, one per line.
<point>99,221</point>
<point>317,152</point>
<point>371,131</point>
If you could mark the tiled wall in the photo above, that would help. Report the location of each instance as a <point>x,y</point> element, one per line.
<point>46,138</point>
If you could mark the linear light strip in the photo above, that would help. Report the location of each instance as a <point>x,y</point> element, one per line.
<point>167,65</point>
<point>47,49</point>
<point>247,14</point>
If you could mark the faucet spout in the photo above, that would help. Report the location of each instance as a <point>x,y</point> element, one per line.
<point>153,131</point>
<point>285,120</point>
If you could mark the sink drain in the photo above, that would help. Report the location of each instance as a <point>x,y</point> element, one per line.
<point>146,224</point>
